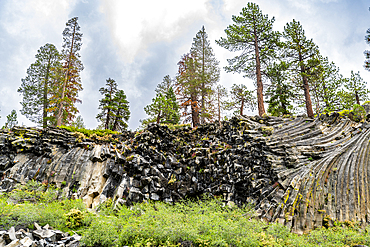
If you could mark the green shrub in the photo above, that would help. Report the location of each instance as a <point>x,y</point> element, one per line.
<point>176,126</point>
<point>358,112</point>
<point>74,218</point>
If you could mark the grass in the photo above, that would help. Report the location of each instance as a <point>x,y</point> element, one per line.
<point>202,223</point>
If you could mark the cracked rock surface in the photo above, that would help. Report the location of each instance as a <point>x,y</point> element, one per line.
<point>41,237</point>
<point>301,172</point>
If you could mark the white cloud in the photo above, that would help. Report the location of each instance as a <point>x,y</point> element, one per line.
<point>31,18</point>
<point>26,26</point>
<point>136,24</point>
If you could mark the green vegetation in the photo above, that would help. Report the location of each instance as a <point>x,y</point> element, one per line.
<point>208,222</point>
<point>176,126</point>
<point>358,112</point>
<point>164,108</point>
<point>11,120</point>
<point>97,134</point>
<point>34,202</point>
<point>114,107</point>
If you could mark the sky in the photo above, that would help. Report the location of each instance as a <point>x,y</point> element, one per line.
<point>137,43</point>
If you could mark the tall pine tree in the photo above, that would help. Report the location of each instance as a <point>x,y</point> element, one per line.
<point>325,81</point>
<point>37,87</point>
<point>252,36</point>
<point>187,89</point>
<point>121,112</point>
<point>107,103</point>
<point>114,107</point>
<point>302,55</point>
<point>207,71</point>
<point>71,84</point>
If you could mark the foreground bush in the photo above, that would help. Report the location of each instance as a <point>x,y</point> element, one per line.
<point>34,202</point>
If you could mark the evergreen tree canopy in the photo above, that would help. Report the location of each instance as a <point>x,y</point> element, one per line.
<point>280,91</point>
<point>357,86</point>
<point>164,107</point>
<point>241,98</point>
<point>325,81</point>
<point>198,73</point>
<point>302,56</point>
<point>107,103</point>
<point>72,66</point>
<point>207,72</point>
<point>78,123</point>
<point>38,85</point>
<point>11,120</point>
<point>252,36</point>
<point>164,86</point>
<point>222,105</point>
<point>114,107</point>
<point>187,89</point>
<point>121,112</point>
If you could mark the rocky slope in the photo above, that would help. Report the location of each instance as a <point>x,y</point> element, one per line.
<point>301,172</point>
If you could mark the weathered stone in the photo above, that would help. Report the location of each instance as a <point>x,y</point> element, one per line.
<point>27,242</point>
<point>43,234</point>
<point>14,243</point>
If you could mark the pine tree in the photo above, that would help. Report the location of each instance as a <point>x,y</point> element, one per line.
<point>241,98</point>
<point>187,89</point>
<point>78,123</point>
<point>251,34</point>
<point>71,84</point>
<point>37,87</point>
<point>357,86</point>
<point>120,110</point>
<point>11,120</point>
<point>207,71</point>
<point>346,99</point>
<point>172,116</point>
<point>164,107</point>
<point>165,85</point>
<point>222,105</point>
<point>302,55</point>
<point>107,103</point>
<point>280,91</point>
<point>325,81</point>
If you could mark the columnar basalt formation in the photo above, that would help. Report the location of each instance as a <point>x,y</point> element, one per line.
<point>301,172</point>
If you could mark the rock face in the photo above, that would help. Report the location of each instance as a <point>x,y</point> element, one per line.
<point>40,237</point>
<point>301,172</point>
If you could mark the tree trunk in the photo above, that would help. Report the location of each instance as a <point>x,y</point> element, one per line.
<point>261,107</point>
<point>242,107</point>
<point>357,98</point>
<point>108,112</point>
<point>159,116</point>
<point>194,110</point>
<point>115,124</point>
<point>60,111</point>
<point>219,107</point>
<point>45,97</point>
<point>306,89</point>
<point>203,83</point>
